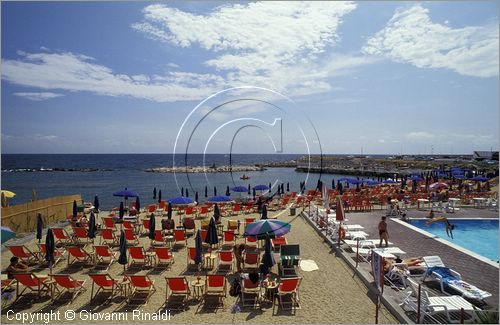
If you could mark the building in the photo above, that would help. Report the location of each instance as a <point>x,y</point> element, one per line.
<point>485,155</point>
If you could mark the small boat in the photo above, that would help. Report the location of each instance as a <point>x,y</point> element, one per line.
<point>244,177</point>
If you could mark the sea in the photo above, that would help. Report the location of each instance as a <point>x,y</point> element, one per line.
<point>52,175</point>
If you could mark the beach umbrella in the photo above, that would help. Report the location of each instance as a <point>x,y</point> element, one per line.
<point>261,187</point>
<point>196,197</point>
<point>159,196</point>
<point>215,191</point>
<point>344,179</point>
<point>253,192</point>
<point>282,188</point>
<point>122,259</point>
<point>7,234</point>
<point>180,200</point>
<point>353,181</point>
<point>227,191</point>
<point>264,212</point>
<point>138,204</point>
<point>187,193</point>
<point>216,212</point>
<point>479,178</point>
<point>152,226</point>
<point>50,247</point>
<point>414,186</point>
<point>372,182</point>
<point>169,211</point>
<point>416,178</point>
<point>212,238</point>
<point>268,260</point>
<point>198,246</point>
<point>267,227</point>
<point>239,189</point>
<point>96,202</point>
<point>333,183</point>
<point>287,186</point>
<point>75,210</point>
<point>154,193</point>
<point>248,192</point>
<point>121,212</point>
<point>279,190</point>
<point>389,182</point>
<point>219,198</point>
<point>126,193</point>
<point>339,210</point>
<point>206,191</point>
<point>39,227</point>
<point>92,227</point>
<point>270,186</point>
<point>8,194</point>
<point>182,191</point>
<point>438,185</point>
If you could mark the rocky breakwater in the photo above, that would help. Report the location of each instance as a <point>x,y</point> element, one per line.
<point>201,169</point>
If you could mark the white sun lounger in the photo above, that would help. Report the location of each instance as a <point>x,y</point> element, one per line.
<point>353,242</point>
<point>355,234</point>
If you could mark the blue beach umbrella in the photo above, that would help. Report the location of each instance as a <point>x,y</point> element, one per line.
<point>239,189</point>
<point>126,193</point>
<point>343,179</point>
<point>268,260</point>
<point>261,187</point>
<point>219,198</point>
<point>212,238</point>
<point>96,202</point>
<point>122,259</point>
<point>50,246</point>
<point>479,178</point>
<point>121,212</point>
<point>39,227</point>
<point>91,233</point>
<point>7,234</point>
<point>138,204</point>
<point>389,182</point>
<point>415,178</point>
<point>461,177</point>
<point>159,196</point>
<point>180,200</point>
<point>198,246</point>
<point>372,182</point>
<point>264,212</point>
<point>152,226</point>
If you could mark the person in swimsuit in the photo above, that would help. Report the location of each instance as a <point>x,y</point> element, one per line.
<point>449,226</point>
<point>15,266</point>
<point>382,231</point>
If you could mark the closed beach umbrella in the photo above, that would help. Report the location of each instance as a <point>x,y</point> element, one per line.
<point>270,186</point>
<point>215,191</point>
<point>253,192</point>
<point>152,226</point>
<point>7,234</point>
<point>287,186</point>
<point>169,211</point>
<point>159,196</point>
<point>212,238</point>
<point>50,246</point>
<point>282,188</point>
<point>122,259</point>
<point>187,192</point>
<point>154,193</point>
<point>264,212</point>
<point>4,201</point>
<point>138,204</point>
<point>227,191</point>
<point>91,233</point>
<point>248,192</point>
<point>216,212</point>
<point>121,212</point>
<point>206,191</point>
<point>268,227</point>
<point>268,260</point>
<point>198,246</point>
<point>196,197</point>
<point>39,227</point>
<point>75,210</point>
<point>182,191</point>
<point>96,202</point>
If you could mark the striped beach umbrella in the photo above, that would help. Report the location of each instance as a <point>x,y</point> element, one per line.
<point>267,227</point>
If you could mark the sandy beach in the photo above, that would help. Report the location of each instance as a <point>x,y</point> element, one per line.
<point>331,294</point>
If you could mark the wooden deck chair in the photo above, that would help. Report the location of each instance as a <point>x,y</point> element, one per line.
<point>138,256</point>
<point>251,260</point>
<point>189,226</point>
<point>131,237</point>
<point>190,258</point>
<point>278,241</point>
<point>80,235</point>
<point>164,257</point>
<point>202,212</point>
<point>151,208</point>
<point>179,292</point>
<point>79,255</point>
<point>248,208</point>
<point>140,285</point>
<point>69,284</point>
<point>58,253</point>
<point>61,236</point>
<point>233,225</point>
<point>226,259</point>
<point>108,237</point>
<point>250,292</point>
<point>106,284</point>
<point>32,282</point>
<point>215,286</point>
<point>109,223</point>
<point>104,254</point>
<point>145,226</point>
<point>229,238</point>
<point>159,239</point>
<point>180,237</point>
<point>127,225</point>
<point>24,254</point>
<point>289,287</point>
<point>236,209</point>
<point>251,242</point>
<point>204,224</point>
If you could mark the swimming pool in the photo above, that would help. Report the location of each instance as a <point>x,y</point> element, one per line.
<point>477,235</point>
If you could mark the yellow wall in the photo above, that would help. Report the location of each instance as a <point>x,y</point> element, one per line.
<point>22,217</point>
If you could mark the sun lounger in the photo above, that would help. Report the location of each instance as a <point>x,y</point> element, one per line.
<point>356,234</point>
<point>353,242</point>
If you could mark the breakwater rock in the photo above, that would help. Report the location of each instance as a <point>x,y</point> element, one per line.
<point>201,169</point>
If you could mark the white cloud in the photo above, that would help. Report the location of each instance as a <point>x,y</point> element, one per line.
<point>37,96</point>
<point>420,135</point>
<point>411,37</point>
<point>173,65</point>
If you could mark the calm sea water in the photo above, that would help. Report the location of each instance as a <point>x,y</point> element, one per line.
<point>117,171</point>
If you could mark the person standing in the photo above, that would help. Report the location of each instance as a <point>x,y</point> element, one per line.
<point>382,231</point>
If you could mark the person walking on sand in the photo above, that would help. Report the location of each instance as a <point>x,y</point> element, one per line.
<point>382,231</point>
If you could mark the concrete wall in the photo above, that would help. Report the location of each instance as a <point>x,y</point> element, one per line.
<point>22,217</point>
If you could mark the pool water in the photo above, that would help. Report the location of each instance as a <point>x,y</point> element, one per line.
<point>479,236</point>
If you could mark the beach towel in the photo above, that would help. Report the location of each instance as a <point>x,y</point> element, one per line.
<point>308,265</point>
<point>444,272</point>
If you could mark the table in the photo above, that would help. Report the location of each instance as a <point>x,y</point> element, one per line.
<point>169,239</point>
<point>479,202</point>
<point>423,202</point>
<point>198,288</point>
<point>209,260</point>
<point>270,291</point>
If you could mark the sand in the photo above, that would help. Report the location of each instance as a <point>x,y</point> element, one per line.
<point>331,294</point>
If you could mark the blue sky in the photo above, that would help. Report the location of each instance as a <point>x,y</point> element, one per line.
<point>121,77</point>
